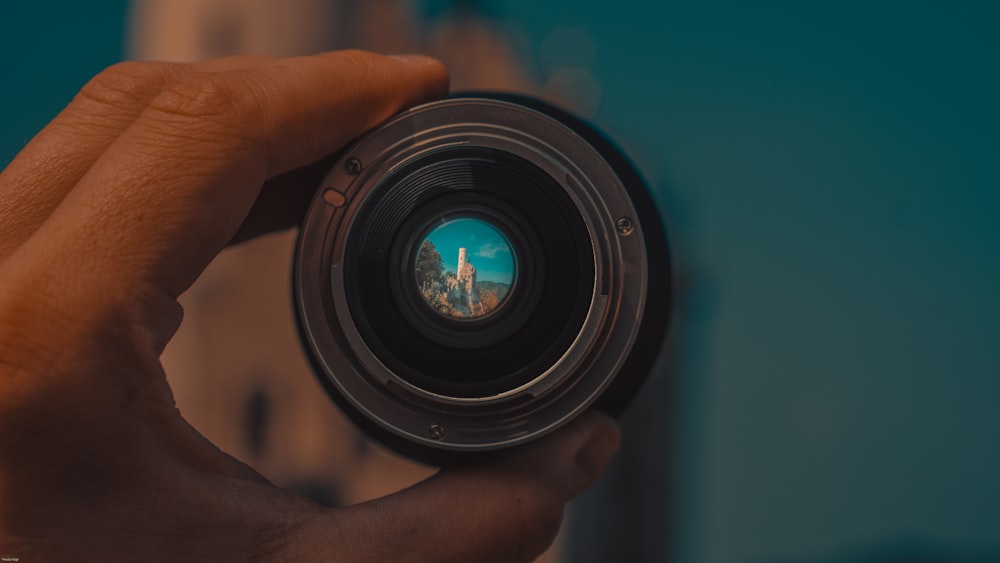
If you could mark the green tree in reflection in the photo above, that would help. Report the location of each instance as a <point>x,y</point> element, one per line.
<point>429,266</point>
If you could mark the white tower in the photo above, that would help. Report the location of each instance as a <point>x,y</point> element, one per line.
<point>461,262</point>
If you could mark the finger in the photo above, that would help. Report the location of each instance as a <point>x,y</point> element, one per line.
<point>53,162</point>
<point>504,507</point>
<point>173,188</point>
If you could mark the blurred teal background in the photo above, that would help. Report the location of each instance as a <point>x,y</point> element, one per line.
<point>50,50</point>
<point>830,175</point>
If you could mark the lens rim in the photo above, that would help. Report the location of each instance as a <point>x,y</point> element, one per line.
<point>603,360</point>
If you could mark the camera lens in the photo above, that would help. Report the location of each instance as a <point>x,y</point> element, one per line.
<point>463,280</point>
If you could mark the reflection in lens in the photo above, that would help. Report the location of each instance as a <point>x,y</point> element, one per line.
<point>465,268</point>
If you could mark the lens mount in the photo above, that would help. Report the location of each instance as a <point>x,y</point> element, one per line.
<point>415,343</point>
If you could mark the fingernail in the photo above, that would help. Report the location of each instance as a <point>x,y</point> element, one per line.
<point>417,60</point>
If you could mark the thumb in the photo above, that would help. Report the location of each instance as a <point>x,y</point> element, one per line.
<point>503,506</point>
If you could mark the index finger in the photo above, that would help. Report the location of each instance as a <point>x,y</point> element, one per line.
<point>52,163</point>
<point>169,193</point>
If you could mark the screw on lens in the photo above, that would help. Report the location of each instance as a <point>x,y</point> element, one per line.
<point>352,166</point>
<point>624,226</point>
<point>436,431</point>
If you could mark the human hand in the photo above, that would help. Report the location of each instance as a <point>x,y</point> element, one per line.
<point>106,217</point>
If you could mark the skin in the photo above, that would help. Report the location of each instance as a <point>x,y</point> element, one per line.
<point>106,217</point>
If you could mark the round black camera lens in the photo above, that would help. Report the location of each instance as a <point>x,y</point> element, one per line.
<point>464,268</point>
<point>463,280</point>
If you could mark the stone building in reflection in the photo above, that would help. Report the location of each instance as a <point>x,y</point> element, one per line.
<point>463,294</point>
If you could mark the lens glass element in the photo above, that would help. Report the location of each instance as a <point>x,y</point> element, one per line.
<point>465,268</point>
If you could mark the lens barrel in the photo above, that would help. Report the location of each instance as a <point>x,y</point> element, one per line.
<point>478,271</point>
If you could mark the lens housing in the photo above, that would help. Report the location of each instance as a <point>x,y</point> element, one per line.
<point>581,323</point>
